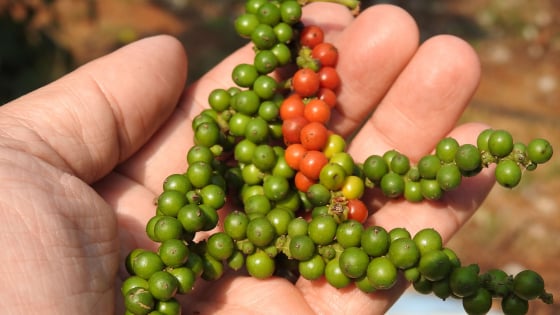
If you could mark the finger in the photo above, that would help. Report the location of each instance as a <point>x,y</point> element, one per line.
<point>425,101</point>
<point>373,50</point>
<point>97,116</point>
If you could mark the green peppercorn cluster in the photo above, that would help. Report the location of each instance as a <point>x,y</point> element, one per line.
<point>281,225</point>
<point>444,169</point>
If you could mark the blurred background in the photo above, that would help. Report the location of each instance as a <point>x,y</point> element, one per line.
<point>518,43</point>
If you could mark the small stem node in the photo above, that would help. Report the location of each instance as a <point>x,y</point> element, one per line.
<point>547,298</point>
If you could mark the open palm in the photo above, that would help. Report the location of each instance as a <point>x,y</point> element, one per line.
<point>81,161</point>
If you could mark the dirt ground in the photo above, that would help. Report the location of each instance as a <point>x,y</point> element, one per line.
<point>519,46</point>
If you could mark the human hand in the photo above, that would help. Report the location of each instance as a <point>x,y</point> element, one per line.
<point>83,159</point>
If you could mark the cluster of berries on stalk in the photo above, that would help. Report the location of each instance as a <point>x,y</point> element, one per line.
<point>265,146</point>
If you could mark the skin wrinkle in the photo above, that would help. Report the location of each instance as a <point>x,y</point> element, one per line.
<point>72,257</point>
<point>38,279</point>
<point>387,142</point>
<point>74,251</point>
<point>21,137</point>
<point>59,137</point>
<point>256,306</point>
<point>330,299</point>
<point>40,233</point>
<point>123,138</point>
<point>78,246</point>
<point>404,119</point>
<point>211,304</point>
<point>79,133</point>
<point>26,252</point>
<point>256,302</point>
<point>329,304</point>
<point>54,138</point>
<point>241,307</point>
<point>119,138</point>
<point>122,135</point>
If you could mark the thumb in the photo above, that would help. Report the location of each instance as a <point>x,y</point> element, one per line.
<point>99,115</point>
